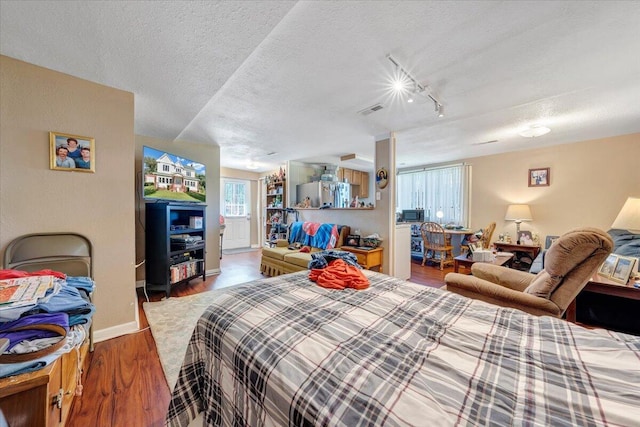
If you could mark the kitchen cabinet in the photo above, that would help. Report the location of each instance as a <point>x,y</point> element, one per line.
<point>359,179</point>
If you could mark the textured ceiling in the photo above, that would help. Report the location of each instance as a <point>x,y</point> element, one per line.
<point>257,77</point>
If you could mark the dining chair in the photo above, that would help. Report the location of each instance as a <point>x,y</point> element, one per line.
<point>486,235</point>
<point>436,245</point>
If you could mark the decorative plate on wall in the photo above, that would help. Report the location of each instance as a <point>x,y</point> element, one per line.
<point>382,178</point>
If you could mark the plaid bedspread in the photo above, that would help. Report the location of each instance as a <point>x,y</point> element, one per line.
<point>284,351</point>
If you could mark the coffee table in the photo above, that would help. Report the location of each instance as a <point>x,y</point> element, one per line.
<point>463,261</point>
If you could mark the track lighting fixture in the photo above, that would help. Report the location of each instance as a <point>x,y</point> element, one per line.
<point>399,85</point>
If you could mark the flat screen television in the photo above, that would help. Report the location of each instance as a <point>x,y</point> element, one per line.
<point>170,177</point>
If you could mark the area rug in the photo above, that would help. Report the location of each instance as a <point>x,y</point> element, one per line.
<point>172,321</point>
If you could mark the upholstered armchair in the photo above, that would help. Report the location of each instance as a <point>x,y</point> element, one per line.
<point>569,264</point>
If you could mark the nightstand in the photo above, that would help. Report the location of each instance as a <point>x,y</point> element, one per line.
<point>367,258</point>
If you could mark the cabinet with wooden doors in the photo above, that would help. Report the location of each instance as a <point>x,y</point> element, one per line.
<point>358,179</point>
<point>364,185</point>
<point>44,397</point>
<point>275,215</point>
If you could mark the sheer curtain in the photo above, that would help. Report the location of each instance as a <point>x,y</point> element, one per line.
<point>444,189</point>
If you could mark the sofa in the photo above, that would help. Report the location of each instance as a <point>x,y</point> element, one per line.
<point>294,254</point>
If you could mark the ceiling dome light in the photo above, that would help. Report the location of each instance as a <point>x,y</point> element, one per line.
<point>252,165</point>
<point>534,131</point>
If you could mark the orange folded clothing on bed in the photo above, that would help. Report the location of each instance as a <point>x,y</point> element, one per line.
<point>339,275</point>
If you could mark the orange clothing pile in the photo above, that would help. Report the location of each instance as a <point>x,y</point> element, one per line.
<point>339,275</point>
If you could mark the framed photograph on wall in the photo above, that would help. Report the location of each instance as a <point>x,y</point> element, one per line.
<point>623,269</point>
<point>71,153</point>
<point>539,177</point>
<point>608,266</point>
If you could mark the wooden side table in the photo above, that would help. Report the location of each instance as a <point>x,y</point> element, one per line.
<point>464,262</point>
<point>520,251</point>
<point>367,258</point>
<point>605,286</point>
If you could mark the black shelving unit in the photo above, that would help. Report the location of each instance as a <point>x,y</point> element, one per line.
<point>175,244</point>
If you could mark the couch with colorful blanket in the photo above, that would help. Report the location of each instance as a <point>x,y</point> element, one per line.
<point>294,254</point>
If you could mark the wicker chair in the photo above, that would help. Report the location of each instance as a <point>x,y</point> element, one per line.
<point>437,247</point>
<point>486,235</point>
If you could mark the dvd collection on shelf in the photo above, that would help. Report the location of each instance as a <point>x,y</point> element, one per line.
<point>185,269</point>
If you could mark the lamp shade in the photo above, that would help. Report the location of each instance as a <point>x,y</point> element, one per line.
<point>518,213</point>
<point>629,216</point>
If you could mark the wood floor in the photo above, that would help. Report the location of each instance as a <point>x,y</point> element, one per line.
<point>124,384</point>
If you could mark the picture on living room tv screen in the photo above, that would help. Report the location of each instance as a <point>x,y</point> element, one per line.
<point>171,177</point>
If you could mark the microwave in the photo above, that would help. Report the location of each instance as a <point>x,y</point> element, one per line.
<point>413,215</point>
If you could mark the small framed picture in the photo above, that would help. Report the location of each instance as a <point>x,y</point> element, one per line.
<point>353,240</point>
<point>607,267</point>
<point>622,270</point>
<point>539,177</point>
<point>526,238</point>
<point>71,153</point>
<point>549,240</point>
<point>382,178</point>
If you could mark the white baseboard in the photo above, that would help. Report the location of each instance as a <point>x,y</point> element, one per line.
<point>255,246</point>
<point>140,283</point>
<point>115,331</point>
<point>213,272</point>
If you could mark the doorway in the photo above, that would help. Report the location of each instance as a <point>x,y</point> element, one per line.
<point>236,195</point>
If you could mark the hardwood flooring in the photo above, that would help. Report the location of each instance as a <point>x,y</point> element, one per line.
<point>124,384</point>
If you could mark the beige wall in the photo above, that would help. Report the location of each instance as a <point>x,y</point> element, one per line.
<point>590,182</point>
<point>33,198</point>
<point>209,155</point>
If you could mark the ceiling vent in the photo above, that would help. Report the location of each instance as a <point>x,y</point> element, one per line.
<point>371,109</point>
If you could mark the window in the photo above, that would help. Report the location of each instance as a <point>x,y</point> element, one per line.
<point>443,189</point>
<point>235,203</point>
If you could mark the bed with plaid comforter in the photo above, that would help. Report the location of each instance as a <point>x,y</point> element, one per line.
<point>285,352</point>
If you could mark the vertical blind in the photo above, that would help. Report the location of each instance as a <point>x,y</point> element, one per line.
<point>443,189</point>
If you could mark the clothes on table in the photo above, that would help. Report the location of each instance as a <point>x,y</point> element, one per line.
<point>66,304</point>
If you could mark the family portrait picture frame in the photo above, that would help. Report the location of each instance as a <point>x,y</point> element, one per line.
<point>618,268</point>
<point>623,269</point>
<point>71,153</point>
<point>608,266</point>
<point>540,177</point>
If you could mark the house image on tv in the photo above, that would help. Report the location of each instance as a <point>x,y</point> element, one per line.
<point>173,176</point>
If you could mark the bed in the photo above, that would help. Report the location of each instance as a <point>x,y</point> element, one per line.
<point>284,351</point>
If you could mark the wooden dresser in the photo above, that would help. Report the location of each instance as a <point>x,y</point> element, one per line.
<point>43,398</point>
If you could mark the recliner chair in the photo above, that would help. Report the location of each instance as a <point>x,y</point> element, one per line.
<point>569,264</point>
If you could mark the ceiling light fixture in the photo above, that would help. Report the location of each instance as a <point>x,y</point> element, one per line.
<point>252,165</point>
<point>400,85</point>
<point>534,131</point>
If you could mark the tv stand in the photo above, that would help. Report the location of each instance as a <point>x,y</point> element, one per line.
<point>175,244</point>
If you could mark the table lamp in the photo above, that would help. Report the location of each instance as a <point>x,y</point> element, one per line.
<point>518,213</point>
<point>629,216</point>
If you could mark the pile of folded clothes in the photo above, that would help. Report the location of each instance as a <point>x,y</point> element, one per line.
<point>43,315</point>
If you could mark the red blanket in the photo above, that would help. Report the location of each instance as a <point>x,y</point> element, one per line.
<point>339,275</point>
